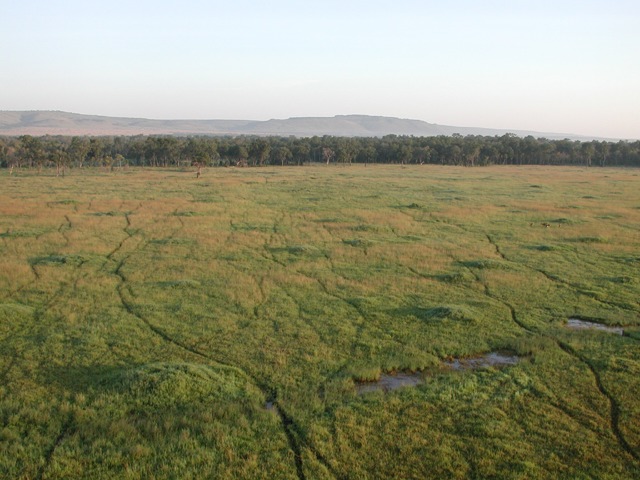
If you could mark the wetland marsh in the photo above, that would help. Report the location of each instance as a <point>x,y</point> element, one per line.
<point>155,325</point>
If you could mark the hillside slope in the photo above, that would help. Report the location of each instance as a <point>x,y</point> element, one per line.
<point>64,123</point>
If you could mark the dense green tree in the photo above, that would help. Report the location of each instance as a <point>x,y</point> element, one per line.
<point>566,151</point>
<point>301,150</point>
<point>238,152</point>
<point>283,154</point>
<point>200,151</point>
<point>182,152</point>
<point>96,150</point>
<point>345,150</point>
<point>31,151</point>
<point>587,150</point>
<point>57,154</point>
<point>367,154</point>
<point>602,151</point>
<point>471,151</point>
<point>259,150</point>
<point>78,150</point>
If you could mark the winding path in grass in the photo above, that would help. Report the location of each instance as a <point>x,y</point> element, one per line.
<point>291,429</point>
<point>614,407</point>
<point>65,431</point>
<point>556,279</point>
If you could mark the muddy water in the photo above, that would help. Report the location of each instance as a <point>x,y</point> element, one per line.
<point>577,324</point>
<point>493,359</point>
<point>389,382</point>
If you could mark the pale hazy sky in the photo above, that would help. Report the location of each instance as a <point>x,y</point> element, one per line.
<point>555,66</point>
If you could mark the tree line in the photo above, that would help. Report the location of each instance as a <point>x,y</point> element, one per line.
<point>64,152</point>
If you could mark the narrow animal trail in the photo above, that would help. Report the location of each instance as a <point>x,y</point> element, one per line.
<point>269,255</point>
<point>63,230</point>
<point>288,426</point>
<point>62,289</point>
<point>554,278</point>
<point>291,429</point>
<point>65,431</point>
<point>614,408</point>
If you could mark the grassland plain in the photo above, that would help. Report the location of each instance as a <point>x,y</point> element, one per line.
<point>155,325</point>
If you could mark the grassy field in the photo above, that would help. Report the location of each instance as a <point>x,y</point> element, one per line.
<point>155,325</point>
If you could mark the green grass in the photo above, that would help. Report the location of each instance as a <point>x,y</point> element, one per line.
<point>148,319</point>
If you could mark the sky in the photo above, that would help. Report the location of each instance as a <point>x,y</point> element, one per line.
<point>563,66</point>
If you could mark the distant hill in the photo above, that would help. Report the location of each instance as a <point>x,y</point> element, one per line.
<point>63,123</point>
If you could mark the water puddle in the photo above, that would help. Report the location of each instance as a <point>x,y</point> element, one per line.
<point>393,381</point>
<point>493,359</point>
<point>389,382</point>
<point>577,324</point>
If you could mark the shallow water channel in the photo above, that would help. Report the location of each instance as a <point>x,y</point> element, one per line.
<point>577,324</point>
<point>393,381</point>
